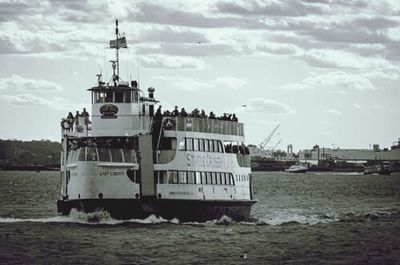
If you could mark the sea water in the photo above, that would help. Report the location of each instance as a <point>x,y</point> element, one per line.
<point>313,218</point>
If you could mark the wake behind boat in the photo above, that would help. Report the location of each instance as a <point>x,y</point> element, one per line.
<point>133,162</point>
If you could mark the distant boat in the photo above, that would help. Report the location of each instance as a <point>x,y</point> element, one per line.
<point>297,169</point>
<point>384,168</point>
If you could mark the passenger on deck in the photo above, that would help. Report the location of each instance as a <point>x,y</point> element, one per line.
<point>158,115</point>
<point>70,121</point>
<point>234,118</point>
<point>246,150</point>
<point>63,123</point>
<point>68,128</point>
<point>241,149</point>
<point>228,148</point>
<point>212,115</point>
<point>77,115</point>
<point>175,112</point>
<point>235,149</point>
<point>167,113</point>
<point>195,113</point>
<point>203,114</point>
<point>224,117</point>
<point>85,113</point>
<point>183,113</point>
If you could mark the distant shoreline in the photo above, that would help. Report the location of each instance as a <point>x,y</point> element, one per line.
<point>16,167</point>
<point>29,155</point>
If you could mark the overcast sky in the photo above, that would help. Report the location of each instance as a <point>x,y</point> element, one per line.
<point>327,71</point>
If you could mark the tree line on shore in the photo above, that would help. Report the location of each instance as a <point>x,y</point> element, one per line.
<point>36,153</point>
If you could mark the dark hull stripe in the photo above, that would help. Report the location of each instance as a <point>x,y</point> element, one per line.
<point>184,210</point>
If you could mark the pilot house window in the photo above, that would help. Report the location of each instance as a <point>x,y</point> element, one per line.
<point>99,97</point>
<point>109,96</point>
<point>128,96</point>
<point>119,97</point>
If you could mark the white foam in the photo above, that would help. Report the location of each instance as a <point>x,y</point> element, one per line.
<point>56,219</point>
<point>174,221</point>
<point>152,219</point>
<point>280,217</point>
<point>98,217</point>
<point>272,217</point>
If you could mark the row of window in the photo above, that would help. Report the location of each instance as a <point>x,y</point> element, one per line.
<point>102,154</point>
<point>203,145</point>
<point>242,177</point>
<point>194,177</point>
<point>114,96</point>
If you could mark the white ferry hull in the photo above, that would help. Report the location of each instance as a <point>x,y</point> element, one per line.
<point>183,210</point>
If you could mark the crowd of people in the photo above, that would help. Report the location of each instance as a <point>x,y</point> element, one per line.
<point>242,149</point>
<point>80,119</point>
<point>196,113</point>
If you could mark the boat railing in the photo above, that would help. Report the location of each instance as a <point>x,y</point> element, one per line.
<point>192,124</point>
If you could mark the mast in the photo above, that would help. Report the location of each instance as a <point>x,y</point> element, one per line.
<point>119,42</point>
<point>117,46</point>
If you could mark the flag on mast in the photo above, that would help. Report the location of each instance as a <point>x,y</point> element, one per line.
<point>121,43</point>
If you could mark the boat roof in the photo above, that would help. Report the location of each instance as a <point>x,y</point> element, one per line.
<point>114,88</point>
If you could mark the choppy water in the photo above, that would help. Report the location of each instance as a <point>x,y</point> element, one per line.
<point>300,219</point>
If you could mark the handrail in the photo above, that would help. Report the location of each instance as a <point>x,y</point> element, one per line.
<point>192,124</point>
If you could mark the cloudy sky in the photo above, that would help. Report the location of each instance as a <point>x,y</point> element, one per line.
<point>327,71</point>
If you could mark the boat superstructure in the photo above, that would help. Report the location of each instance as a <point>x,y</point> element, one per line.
<point>132,161</point>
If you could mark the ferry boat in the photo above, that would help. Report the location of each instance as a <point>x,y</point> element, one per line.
<point>133,162</point>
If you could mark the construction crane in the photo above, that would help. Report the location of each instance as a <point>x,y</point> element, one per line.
<point>266,140</point>
<point>276,145</point>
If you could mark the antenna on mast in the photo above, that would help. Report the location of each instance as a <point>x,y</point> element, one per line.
<point>119,42</point>
<point>137,65</point>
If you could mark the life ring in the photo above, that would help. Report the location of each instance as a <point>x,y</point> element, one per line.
<point>169,123</point>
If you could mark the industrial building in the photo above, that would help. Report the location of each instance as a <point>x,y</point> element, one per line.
<point>337,154</point>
